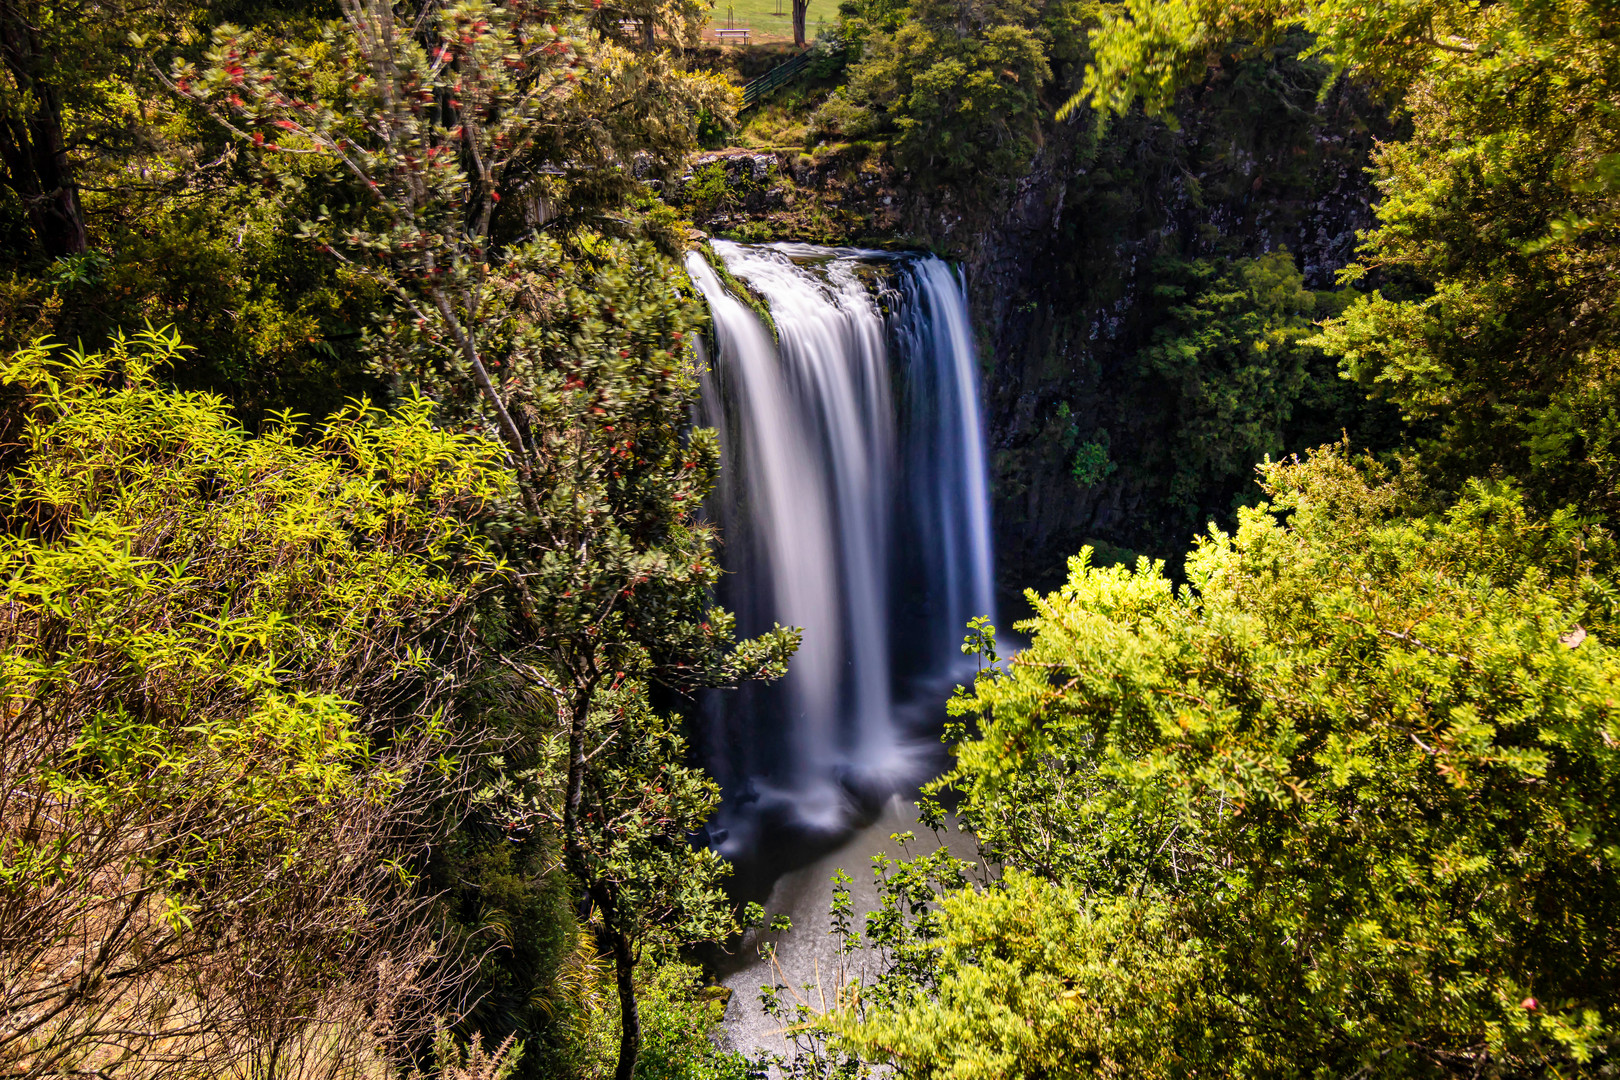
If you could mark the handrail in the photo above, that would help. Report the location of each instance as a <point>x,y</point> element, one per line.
<point>754,89</point>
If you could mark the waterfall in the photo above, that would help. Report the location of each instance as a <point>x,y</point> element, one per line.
<point>946,461</point>
<point>854,503</point>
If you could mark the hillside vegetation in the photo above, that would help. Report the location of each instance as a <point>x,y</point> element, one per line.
<point>355,586</point>
<point>1335,797</point>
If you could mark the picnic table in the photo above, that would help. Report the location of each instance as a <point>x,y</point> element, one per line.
<point>733,34</point>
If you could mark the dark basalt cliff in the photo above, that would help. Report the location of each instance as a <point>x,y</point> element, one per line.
<point>1066,287</point>
<point>1068,278</point>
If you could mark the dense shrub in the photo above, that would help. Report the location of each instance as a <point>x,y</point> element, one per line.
<point>954,86</point>
<point>1344,802</point>
<point>228,669</point>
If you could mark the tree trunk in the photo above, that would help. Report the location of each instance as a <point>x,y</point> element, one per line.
<point>799,7</point>
<point>518,458</point>
<point>624,967</point>
<point>33,147</point>
<point>600,892</point>
<point>578,714</point>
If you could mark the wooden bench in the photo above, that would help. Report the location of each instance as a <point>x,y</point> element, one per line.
<point>732,35</point>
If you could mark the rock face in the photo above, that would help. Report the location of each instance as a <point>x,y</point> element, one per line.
<point>836,198</point>
<point>1066,276</point>
<point>1064,293</point>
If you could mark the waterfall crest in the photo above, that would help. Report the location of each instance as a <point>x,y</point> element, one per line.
<point>853,502</point>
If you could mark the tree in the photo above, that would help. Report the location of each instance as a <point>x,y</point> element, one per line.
<point>628,825</point>
<point>39,43</point>
<point>1231,357</point>
<point>800,7</point>
<point>612,568</point>
<point>1497,238</point>
<point>578,358</point>
<point>955,86</point>
<point>178,231</point>
<point>62,65</point>
<point>651,25</point>
<point>228,678</point>
<point>1344,802</point>
<point>438,119</point>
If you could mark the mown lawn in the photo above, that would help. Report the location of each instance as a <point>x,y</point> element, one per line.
<point>760,17</point>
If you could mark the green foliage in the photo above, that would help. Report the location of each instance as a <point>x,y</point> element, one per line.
<point>199,235</point>
<point>1091,465</point>
<point>712,188</point>
<point>274,325</point>
<point>225,724</point>
<point>681,1021</point>
<point>178,232</point>
<point>1497,220</point>
<point>432,128</point>
<point>640,805</point>
<point>579,359</point>
<point>608,591</point>
<point>1270,145</point>
<point>1034,980</point>
<point>829,55</point>
<point>1503,209</point>
<point>57,59</point>
<point>1343,802</point>
<point>1229,375</point>
<point>860,19</point>
<point>603,375</point>
<point>1231,356</point>
<point>538,978</point>
<point>681,1018</point>
<point>953,85</point>
<point>980,640</point>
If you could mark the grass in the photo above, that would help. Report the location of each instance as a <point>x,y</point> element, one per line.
<point>760,17</point>
<point>782,118</point>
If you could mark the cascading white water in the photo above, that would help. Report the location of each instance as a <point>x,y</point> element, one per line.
<point>853,503</point>
<point>947,463</point>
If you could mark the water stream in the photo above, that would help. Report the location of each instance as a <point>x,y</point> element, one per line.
<point>853,503</point>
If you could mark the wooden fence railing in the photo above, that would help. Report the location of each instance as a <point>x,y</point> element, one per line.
<point>781,74</point>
